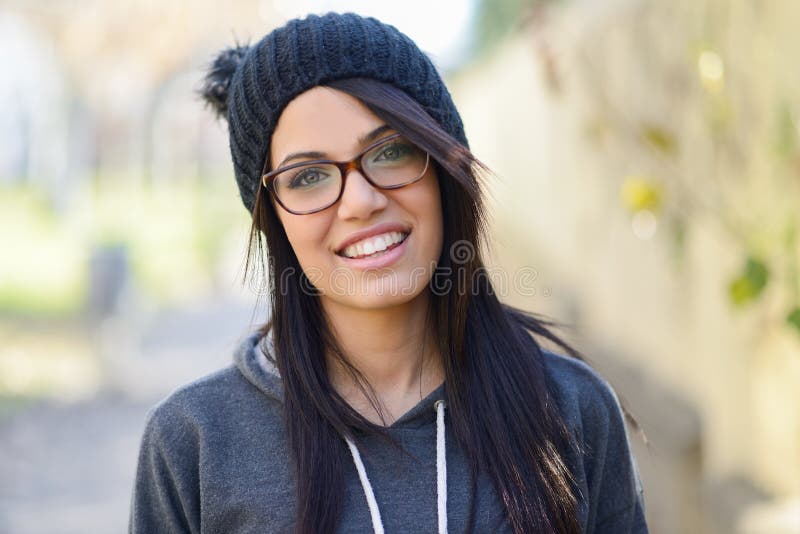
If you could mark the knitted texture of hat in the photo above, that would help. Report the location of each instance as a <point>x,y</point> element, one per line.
<point>312,51</point>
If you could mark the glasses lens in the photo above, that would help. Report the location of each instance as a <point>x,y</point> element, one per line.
<point>308,187</point>
<point>394,163</point>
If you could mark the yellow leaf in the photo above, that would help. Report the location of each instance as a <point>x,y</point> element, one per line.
<point>641,193</point>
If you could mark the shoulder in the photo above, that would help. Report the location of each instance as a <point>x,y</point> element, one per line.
<point>582,393</point>
<point>210,404</point>
<point>592,412</point>
<point>193,398</point>
<point>185,433</point>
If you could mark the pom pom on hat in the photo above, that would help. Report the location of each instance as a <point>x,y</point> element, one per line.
<point>216,83</point>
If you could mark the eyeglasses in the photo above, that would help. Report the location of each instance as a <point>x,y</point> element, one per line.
<point>311,186</point>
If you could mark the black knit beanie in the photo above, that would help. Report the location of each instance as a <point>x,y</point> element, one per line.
<point>251,85</point>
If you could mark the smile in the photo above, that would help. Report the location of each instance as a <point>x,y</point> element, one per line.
<point>375,246</point>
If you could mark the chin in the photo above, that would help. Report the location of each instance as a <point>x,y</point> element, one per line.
<point>378,293</point>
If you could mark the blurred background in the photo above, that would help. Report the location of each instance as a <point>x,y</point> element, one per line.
<point>646,171</point>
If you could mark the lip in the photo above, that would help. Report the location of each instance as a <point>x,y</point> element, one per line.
<point>378,229</point>
<point>385,260</point>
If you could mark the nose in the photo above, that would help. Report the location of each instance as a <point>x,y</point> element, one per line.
<point>360,200</point>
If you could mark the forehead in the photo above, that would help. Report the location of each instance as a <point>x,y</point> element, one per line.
<point>322,119</point>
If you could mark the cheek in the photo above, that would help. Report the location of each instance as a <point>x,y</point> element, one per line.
<point>423,202</point>
<point>431,213</point>
<point>306,235</point>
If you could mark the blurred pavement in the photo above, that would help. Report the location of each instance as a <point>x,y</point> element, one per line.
<point>68,468</point>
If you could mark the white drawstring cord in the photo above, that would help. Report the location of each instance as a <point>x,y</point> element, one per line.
<point>374,512</point>
<point>441,468</point>
<point>441,477</point>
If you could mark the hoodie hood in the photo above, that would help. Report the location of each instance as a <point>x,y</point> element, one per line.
<point>251,360</point>
<point>254,359</point>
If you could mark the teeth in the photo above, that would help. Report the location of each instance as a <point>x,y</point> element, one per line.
<point>373,244</point>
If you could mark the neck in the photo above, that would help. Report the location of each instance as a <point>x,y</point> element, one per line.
<point>393,348</point>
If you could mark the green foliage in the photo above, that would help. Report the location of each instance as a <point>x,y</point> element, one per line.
<point>42,268</point>
<point>659,138</point>
<point>750,283</point>
<point>173,234</point>
<point>173,231</point>
<point>785,131</point>
<point>794,318</point>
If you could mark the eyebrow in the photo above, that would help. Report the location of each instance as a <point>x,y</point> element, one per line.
<point>314,154</point>
<point>374,134</point>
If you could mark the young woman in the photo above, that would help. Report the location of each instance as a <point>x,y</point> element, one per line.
<point>390,390</point>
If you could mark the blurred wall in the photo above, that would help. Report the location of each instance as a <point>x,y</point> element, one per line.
<point>637,172</point>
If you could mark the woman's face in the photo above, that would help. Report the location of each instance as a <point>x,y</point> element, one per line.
<point>337,126</point>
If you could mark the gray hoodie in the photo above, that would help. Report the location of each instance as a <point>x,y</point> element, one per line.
<point>214,459</point>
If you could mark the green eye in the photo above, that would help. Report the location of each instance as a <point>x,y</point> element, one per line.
<point>308,178</point>
<point>393,152</point>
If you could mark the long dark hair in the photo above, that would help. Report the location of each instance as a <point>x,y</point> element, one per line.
<point>500,405</point>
